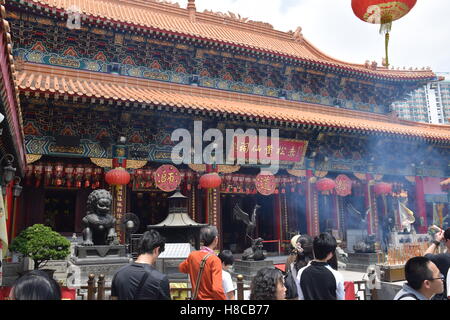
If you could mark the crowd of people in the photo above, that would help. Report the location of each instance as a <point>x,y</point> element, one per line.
<point>310,274</point>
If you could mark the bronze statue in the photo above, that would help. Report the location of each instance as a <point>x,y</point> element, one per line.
<point>244,217</point>
<point>99,223</point>
<point>255,252</point>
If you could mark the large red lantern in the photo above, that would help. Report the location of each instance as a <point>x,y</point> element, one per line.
<point>325,185</point>
<point>382,188</point>
<point>382,12</point>
<point>117,177</point>
<point>210,180</point>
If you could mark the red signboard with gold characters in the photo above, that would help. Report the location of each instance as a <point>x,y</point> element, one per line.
<point>265,183</point>
<point>167,178</point>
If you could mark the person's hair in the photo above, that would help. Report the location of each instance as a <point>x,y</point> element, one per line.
<point>324,244</point>
<point>208,234</point>
<point>264,284</point>
<point>303,258</point>
<point>417,271</point>
<point>149,241</point>
<point>226,257</point>
<point>36,285</point>
<point>447,234</point>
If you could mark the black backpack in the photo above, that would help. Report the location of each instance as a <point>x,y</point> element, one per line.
<point>291,287</point>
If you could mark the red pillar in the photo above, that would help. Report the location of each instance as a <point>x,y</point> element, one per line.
<point>312,214</point>
<point>367,198</point>
<point>420,205</point>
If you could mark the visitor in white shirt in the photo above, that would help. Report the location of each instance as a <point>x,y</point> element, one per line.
<point>227,262</point>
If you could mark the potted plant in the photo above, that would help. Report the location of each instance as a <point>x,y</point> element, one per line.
<point>41,244</point>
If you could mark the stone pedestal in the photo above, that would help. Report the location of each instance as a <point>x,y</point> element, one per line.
<point>360,261</point>
<point>249,268</point>
<point>96,260</point>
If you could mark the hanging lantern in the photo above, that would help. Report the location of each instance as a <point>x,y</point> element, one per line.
<point>210,180</point>
<point>69,175</point>
<point>325,185</point>
<point>79,171</point>
<point>148,174</point>
<point>118,177</point>
<point>97,173</point>
<point>38,169</point>
<point>382,188</point>
<point>59,170</point>
<point>382,12</point>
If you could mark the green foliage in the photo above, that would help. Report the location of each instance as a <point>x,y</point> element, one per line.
<point>41,244</point>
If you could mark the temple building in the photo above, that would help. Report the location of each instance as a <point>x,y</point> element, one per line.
<point>107,81</point>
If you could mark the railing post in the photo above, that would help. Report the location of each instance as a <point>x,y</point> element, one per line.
<point>91,287</point>
<point>240,287</point>
<point>101,287</point>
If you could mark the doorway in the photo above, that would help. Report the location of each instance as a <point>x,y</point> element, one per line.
<point>59,210</point>
<point>234,231</point>
<point>151,208</point>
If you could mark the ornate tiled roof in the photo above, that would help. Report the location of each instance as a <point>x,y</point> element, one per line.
<point>10,92</point>
<point>222,29</point>
<point>48,81</point>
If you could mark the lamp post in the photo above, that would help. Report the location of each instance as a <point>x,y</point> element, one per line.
<point>7,171</point>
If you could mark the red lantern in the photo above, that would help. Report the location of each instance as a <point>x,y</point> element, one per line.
<point>69,175</point>
<point>210,180</point>
<point>325,185</point>
<point>117,177</point>
<point>382,12</point>
<point>38,169</point>
<point>382,188</point>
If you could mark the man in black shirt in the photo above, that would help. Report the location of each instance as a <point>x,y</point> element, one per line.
<point>442,260</point>
<point>140,280</point>
<point>318,280</point>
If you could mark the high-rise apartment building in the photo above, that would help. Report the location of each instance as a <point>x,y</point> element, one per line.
<point>431,103</point>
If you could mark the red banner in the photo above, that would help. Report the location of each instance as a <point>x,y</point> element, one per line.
<point>265,183</point>
<point>167,178</point>
<point>251,148</point>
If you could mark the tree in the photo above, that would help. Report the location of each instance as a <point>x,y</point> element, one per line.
<point>41,244</point>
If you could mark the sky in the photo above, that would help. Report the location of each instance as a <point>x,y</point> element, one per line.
<point>420,39</point>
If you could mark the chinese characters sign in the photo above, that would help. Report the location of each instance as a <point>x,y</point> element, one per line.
<point>167,178</point>
<point>286,151</point>
<point>265,183</point>
<point>343,185</point>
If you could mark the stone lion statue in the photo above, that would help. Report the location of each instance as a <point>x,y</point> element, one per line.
<point>255,252</point>
<point>98,223</point>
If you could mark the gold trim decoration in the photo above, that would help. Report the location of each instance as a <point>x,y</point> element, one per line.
<point>197,167</point>
<point>221,168</point>
<point>297,173</point>
<point>33,158</point>
<point>102,162</point>
<point>412,179</point>
<point>378,177</point>
<point>136,164</point>
<point>320,174</point>
<point>360,176</point>
<point>228,169</point>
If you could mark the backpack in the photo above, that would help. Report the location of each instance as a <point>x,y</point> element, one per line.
<point>291,286</point>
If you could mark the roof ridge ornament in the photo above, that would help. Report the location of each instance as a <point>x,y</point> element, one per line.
<point>298,35</point>
<point>239,18</point>
<point>192,10</point>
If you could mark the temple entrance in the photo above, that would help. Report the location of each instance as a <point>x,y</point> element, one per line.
<point>234,231</point>
<point>60,210</point>
<point>150,207</point>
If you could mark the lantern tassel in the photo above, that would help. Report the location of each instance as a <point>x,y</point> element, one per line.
<point>386,28</point>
